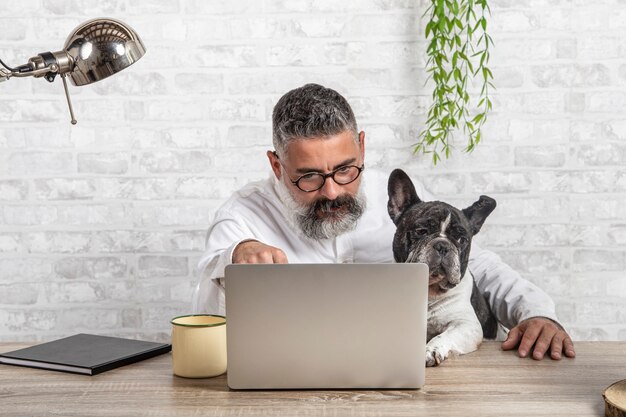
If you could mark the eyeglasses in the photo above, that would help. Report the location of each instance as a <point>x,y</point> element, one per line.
<point>313,181</point>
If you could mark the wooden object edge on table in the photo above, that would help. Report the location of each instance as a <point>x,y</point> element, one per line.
<point>615,399</point>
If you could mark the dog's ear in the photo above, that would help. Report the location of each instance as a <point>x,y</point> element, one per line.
<point>479,211</point>
<point>401,194</point>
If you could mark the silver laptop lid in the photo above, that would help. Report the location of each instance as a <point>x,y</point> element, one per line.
<point>299,326</point>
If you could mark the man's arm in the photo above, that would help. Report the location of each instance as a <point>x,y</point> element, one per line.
<point>228,241</point>
<point>521,306</point>
<point>223,236</point>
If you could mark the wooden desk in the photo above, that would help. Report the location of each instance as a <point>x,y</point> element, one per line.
<point>489,382</point>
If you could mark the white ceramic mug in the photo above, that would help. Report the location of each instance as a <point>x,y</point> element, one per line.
<point>199,345</point>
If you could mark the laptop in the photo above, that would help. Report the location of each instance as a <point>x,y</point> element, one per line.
<point>326,326</point>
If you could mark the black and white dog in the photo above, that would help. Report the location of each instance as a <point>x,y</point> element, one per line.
<point>440,236</point>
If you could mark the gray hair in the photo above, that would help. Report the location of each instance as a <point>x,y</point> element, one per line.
<point>310,111</point>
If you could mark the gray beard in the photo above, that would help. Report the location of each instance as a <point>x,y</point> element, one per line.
<point>304,218</point>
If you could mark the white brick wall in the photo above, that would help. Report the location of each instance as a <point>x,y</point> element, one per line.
<point>102,224</point>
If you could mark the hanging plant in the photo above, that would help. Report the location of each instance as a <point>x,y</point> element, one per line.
<point>458,55</point>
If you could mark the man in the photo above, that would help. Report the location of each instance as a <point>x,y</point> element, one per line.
<point>319,206</point>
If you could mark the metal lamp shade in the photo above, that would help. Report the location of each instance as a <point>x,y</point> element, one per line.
<point>100,48</point>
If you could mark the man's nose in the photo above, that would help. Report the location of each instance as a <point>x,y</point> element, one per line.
<point>330,189</point>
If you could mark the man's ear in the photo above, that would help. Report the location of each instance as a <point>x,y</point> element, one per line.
<point>402,194</point>
<point>478,212</point>
<point>274,162</point>
<point>362,144</point>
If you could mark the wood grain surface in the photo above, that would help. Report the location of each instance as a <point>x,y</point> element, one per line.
<point>488,382</point>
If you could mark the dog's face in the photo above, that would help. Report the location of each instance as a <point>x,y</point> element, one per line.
<point>434,233</point>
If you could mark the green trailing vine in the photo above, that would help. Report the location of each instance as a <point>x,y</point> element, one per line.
<point>458,54</point>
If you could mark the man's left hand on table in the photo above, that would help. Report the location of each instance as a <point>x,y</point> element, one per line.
<point>542,333</point>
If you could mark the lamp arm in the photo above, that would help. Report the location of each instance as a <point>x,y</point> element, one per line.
<point>35,73</point>
<point>46,64</point>
<point>5,75</point>
<point>7,72</point>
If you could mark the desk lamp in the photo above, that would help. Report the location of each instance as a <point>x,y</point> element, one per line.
<point>94,50</point>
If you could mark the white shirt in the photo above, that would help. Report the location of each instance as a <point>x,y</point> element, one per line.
<point>256,212</point>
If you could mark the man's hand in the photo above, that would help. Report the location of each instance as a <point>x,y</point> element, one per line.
<point>255,252</point>
<point>544,334</point>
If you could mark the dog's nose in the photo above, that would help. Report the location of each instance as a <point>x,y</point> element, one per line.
<point>441,248</point>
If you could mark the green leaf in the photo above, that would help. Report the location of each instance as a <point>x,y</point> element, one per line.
<point>449,24</point>
<point>482,59</point>
<point>478,118</point>
<point>432,48</point>
<point>457,74</point>
<point>488,41</point>
<point>439,10</point>
<point>475,27</point>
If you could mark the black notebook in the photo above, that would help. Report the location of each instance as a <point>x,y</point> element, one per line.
<point>84,354</point>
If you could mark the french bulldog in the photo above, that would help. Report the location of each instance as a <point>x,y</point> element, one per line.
<point>440,236</point>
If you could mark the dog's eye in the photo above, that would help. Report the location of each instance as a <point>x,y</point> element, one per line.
<point>416,234</point>
<point>462,240</point>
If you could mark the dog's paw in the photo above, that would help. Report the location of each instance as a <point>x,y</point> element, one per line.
<point>435,355</point>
